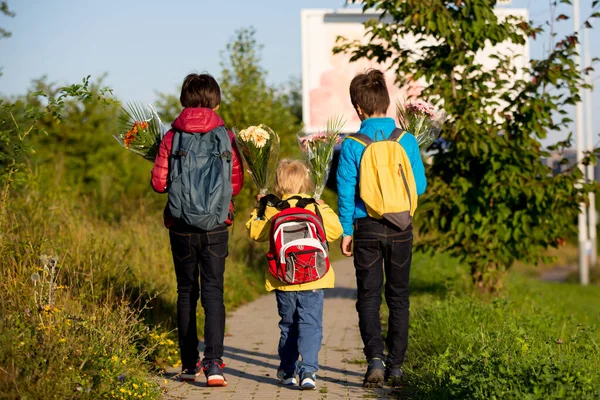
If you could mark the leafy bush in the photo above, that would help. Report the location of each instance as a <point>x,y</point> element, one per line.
<point>491,199</point>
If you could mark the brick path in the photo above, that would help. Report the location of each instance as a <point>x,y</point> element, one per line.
<point>252,360</point>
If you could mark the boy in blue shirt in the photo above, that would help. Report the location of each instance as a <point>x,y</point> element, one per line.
<point>380,247</point>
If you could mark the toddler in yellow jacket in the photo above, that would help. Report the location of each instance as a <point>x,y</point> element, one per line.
<point>301,302</point>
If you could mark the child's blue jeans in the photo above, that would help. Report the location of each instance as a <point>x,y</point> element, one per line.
<point>301,329</point>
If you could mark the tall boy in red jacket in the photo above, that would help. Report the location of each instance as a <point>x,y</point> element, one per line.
<point>198,253</point>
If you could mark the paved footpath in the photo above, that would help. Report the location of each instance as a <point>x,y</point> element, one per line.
<point>252,360</point>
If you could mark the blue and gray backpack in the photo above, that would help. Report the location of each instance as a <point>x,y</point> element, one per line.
<point>200,178</point>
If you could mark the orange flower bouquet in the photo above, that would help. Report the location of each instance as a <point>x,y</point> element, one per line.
<point>141,130</point>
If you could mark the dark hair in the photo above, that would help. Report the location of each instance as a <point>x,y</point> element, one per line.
<point>200,90</point>
<point>368,90</point>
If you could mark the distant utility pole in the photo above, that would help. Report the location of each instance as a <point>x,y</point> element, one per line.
<point>590,146</point>
<point>584,274</point>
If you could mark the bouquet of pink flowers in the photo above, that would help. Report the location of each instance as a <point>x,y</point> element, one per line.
<point>259,146</point>
<point>422,120</point>
<point>318,148</point>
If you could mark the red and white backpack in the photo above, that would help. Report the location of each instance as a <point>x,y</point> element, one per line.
<point>298,251</point>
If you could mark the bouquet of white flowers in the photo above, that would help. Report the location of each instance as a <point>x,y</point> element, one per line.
<point>259,146</point>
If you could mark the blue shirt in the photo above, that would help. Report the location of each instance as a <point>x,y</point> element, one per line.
<point>350,206</point>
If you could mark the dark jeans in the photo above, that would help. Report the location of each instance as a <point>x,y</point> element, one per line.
<point>381,247</point>
<point>200,254</point>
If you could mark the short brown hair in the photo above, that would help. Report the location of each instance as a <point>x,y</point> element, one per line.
<point>292,177</point>
<point>369,91</point>
<point>200,90</point>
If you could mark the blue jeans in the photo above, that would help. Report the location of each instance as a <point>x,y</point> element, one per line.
<point>301,329</point>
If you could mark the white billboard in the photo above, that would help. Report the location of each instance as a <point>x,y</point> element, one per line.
<point>326,77</point>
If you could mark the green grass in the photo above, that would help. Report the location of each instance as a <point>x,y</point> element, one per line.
<point>535,341</point>
<point>110,324</point>
<point>357,361</point>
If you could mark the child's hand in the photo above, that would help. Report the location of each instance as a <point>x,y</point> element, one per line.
<point>320,202</point>
<point>346,246</point>
<point>260,196</point>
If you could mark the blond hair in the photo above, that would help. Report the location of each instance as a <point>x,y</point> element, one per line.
<point>292,177</point>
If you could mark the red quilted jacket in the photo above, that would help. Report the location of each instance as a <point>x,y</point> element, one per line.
<point>193,120</point>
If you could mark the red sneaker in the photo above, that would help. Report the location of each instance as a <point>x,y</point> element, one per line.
<point>213,370</point>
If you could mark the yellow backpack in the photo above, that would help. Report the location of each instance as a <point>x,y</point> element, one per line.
<point>386,181</point>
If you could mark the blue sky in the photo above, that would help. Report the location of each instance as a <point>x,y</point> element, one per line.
<point>149,46</point>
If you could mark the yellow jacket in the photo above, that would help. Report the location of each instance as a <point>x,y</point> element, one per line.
<point>260,229</point>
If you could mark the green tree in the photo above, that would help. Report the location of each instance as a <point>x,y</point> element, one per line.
<point>247,99</point>
<point>491,200</point>
<point>64,135</point>
<point>292,92</point>
<point>4,10</point>
<point>168,106</point>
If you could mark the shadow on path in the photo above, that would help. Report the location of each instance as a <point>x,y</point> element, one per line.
<point>267,378</point>
<point>251,357</point>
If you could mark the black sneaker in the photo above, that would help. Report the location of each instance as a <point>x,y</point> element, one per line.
<point>308,381</point>
<point>393,376</point>
<point>213,370</point>
<point>190,374</point>
<point>286,378</point>
<point>375,374</point>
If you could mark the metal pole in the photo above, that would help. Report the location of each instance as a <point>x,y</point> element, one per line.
<point>580,146</point>
<point>592,216</point>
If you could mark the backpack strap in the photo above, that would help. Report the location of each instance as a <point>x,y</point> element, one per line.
<point>274,201</point>
<point>227,155</point>
<point>179,152</point>
<point>304,201</point>
<point>396,135</point>
<point>176,148</point>
<point>361,138</point>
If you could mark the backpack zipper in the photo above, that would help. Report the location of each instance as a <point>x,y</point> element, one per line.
<point>406,187</point>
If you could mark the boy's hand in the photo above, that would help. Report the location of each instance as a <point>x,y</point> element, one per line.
<point>346,246</point>
<point>260,196</point>
<point>320,202</point>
